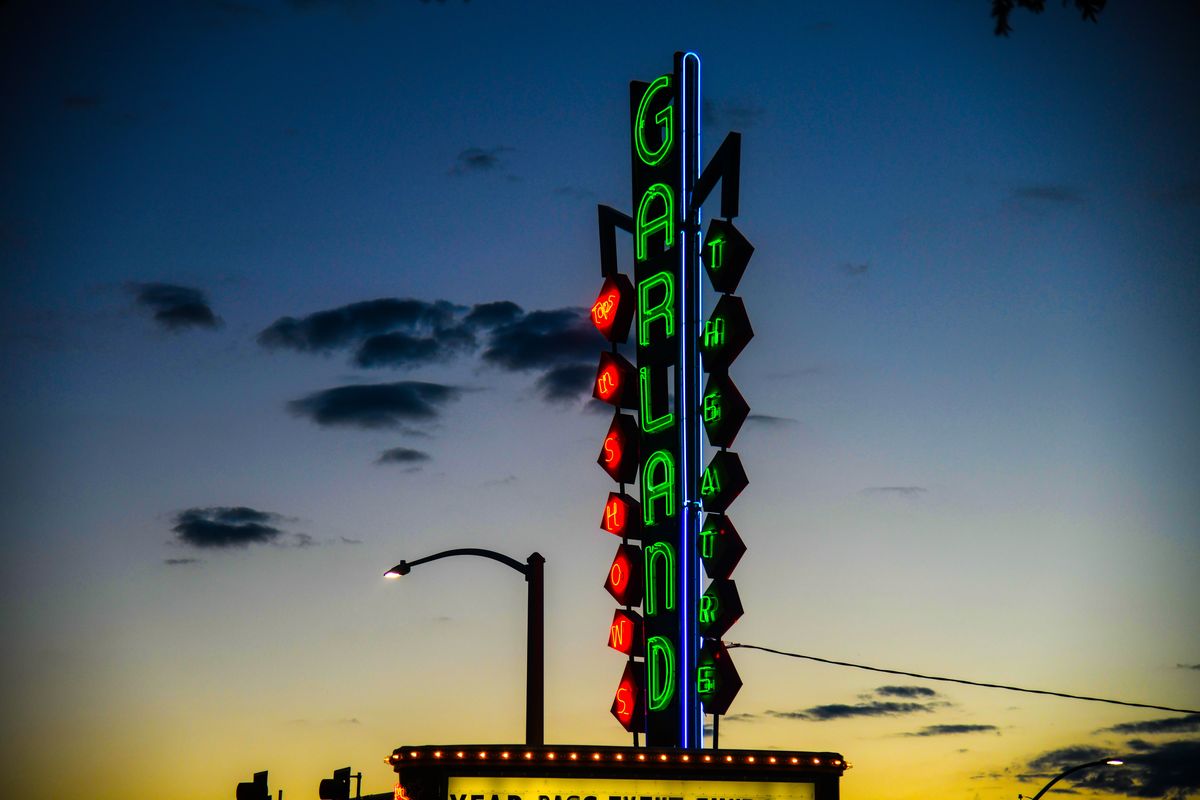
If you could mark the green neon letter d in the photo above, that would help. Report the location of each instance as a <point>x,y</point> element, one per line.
<point>660,658</point>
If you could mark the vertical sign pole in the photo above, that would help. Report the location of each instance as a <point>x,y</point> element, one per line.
<point>687,68</point>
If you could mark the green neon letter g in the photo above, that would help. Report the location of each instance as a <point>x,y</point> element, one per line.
<point>663,118</point>
<point>660,658</point>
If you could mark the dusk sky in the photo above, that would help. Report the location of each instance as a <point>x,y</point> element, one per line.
<point>295,289</point>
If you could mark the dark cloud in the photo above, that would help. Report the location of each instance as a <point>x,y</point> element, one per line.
<point>769,421</point>
<point>845,711</point>
<point>403,455</point>
<point>1185,195</point>
<point>1049,194</point>
<point>741,717</point>
<point>378,405</point>
<point>398,349</point>
<point>344,326</point>
<point>567,383</point>
<point>490,315</point>
<point>505,481</point>
<point>225,527</point>
<point>479,159</point>
<point>77,102</point>
<point>174,307</point>
<point>544,339</point>
<point>950,730</point>
<point>1055,761</point>
<point>574,192</point>
<point>1170,770</point>
<point>734,114</point>
<point>896,491</point>
<point>855,269</point>
<point>1188,723</point>
<point>1187,666</point>
<point>910,692</point>
<point>348,540</point>
<point>180,562</point>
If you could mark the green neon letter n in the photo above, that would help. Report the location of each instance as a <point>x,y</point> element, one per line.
<point>656,553</point>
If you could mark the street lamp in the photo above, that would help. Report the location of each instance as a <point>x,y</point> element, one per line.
<point>535,636</point>
<point>1111,762</point>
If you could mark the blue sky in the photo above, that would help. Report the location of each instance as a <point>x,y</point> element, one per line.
<point>977,311</point>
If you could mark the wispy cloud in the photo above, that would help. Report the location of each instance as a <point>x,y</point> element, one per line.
<point>403,455</point>
<point>480,159</point>
<point>374,406</point>
<point>1188,723</point>
<point>174,308</point>
<point>180,562</point>
<point>875,708</point>
<point>769,421</point>
<point>952,730</point>
<point>1187,666</point>
<point>1048,194</point>
<point>854,270</point>
<point>910,492</point>
<point>905,691</point>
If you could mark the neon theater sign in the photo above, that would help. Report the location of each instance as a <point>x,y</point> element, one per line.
<point>671,573</point>
<point>677,671</point>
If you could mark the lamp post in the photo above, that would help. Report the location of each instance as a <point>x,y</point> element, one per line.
<point>1111,762</point>
<point>535,634</point>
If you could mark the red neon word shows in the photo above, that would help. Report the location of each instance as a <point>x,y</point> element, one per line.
<point>623,634</point>
<point>608,382</point>
<point>625,701</point>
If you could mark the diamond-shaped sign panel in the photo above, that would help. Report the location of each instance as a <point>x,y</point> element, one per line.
<point>624,580</point>
<point>622,516</point>
<point>616,381</point>
<point>717,681</point>
<point>720,607</point>
<point>723,480</point>
<point>625,635</point>
<point>619,453</point>
<point>726,333</point>
<point>721,548</point>
<point>612,313</point>
<point>726,254</point>
<point>723,410</point>
<point>629,701</point>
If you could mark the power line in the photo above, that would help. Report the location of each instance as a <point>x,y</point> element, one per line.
<point>732,645</point>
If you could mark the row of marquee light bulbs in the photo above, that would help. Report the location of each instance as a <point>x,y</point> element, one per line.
<point>723,410</point>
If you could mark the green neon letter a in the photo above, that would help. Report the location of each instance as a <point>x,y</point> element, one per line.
<point>665,222</point>
<point>658,483</point>
<point>663,118</point>
<point>660,552</point>
<point>660,658</point>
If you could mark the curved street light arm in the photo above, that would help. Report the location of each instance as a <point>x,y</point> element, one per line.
<point>403,567</point>
<point>1113,761</point>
